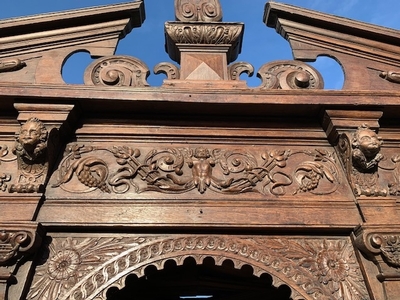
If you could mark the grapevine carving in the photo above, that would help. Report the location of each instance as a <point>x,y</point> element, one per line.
<point>180,170</point>
<point>79,268</point>
<point>117,71</point>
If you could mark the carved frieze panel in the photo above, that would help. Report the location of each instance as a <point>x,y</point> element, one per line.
<point>86,267</point>
<point>117,170</point>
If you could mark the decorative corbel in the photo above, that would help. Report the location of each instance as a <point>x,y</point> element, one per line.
<point>358,146</point>
<point>37,143</point>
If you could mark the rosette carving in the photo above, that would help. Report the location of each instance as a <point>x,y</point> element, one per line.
<point>180,170</point>
<point>198,10</point>
<point>289,75</point>
<point>117,71</point>
<point>79,268</point>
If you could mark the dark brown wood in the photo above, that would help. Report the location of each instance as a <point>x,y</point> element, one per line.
<point>112,188</point>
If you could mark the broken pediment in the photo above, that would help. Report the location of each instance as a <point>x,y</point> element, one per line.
<point>34,49</point>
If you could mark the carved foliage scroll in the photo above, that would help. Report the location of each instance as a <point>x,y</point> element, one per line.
<point>198,10</point>
<point>84,268</point>
<point>288,75</point>
<point>117,71</point>
<point>180,170</point>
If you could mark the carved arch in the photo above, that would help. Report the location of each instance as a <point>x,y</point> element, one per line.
<point>312,268</point>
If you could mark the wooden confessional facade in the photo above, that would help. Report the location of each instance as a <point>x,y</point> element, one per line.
<point>204,186</point>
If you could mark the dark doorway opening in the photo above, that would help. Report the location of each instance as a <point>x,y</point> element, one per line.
<point>207,281</point>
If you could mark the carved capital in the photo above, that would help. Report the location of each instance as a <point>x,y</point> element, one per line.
<point>225,38</point>
<point>117,71</point>
<point>382,247</point>
<point>18,240</point>
<point>37,143</point>
<point>198,10</point>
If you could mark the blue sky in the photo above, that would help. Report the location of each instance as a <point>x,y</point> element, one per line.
<point>261,44</point>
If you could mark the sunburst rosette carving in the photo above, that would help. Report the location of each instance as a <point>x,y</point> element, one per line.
<point>319,269</point>
<point>289,75</point>
<point>117,71</point>
<point>198,10</point>
<point>69,261</point>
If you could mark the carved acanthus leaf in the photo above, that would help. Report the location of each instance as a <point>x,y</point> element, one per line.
<point>117,71</point>
<point>210,34</point>
<point>198,10</point>
<point>79,268</point>
<point>168,69</point>
<point>236,69</point>
<point>180,170</point>
<point>288,75</point>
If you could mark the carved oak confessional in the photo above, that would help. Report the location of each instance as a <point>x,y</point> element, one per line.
<point>201,187</point>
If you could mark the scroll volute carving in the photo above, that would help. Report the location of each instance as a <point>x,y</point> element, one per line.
<point>198,10</point>
<point>117,71</point>
<point>16,241</point>
<point>360,153</point>
<point>383,248</point>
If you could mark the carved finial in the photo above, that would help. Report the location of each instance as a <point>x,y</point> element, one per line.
<point>198,10</point>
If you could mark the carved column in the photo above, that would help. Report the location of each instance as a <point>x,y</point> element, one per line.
<point>202,44</point>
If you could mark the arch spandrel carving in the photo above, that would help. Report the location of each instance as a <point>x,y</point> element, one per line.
<point>85,268</point>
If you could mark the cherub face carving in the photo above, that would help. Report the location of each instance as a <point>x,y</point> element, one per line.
<point>32,136</point>
<point>368,142</point>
